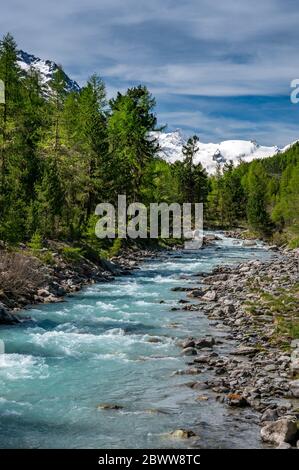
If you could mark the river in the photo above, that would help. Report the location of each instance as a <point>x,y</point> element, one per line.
<point>116,343</point>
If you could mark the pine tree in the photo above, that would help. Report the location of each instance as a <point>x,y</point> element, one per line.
<point>257,215</point>
<point>193,178</point>
<point>131,148</point>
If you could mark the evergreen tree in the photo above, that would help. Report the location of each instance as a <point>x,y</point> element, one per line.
<point>257,215</point>
<point>193,178</point>
<point>131,148</point>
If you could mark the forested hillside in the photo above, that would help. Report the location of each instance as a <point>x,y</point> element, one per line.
<point>63,153</point>
<point>262,195</point>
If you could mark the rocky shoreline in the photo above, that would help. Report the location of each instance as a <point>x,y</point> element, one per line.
<point>254,362</point>
<point>51,283</point>
<point>256,306</point>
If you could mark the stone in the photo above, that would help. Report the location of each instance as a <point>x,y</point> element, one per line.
<point>189,352</point>
<point>282,430</point>
<point>273,248</point>
<point>109,406</point>
<point>189,343</point>
<point>249,243</point>
<point>205,343</point>
<point>43,293</point>
<point>154,339</point>
<point>295,365</point>
<point>182,434</point>
<point>7,318</point>
<point>284,445</point>
<point>202,359</point>
<point>269,415</point>
<point>210,296</point>
<point>244,351</point>
<point>235,399</point>
<point>202,398</point>
<point>228,309</point>
<point>294,387</point>
<point>190,371</point>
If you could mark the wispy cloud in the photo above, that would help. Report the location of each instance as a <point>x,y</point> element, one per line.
<point>194,48</point>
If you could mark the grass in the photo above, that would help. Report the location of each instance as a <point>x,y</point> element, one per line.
<point>294,243</point>
<point>283,306</point>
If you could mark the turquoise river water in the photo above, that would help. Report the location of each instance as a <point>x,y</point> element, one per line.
<point>116,343</point>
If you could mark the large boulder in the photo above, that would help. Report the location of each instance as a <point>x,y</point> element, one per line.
<point>7,318</point>
<point>282,430</point>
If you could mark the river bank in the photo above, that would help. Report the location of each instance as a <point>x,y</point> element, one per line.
<point>256,304</point>
<point>82,372</point>
<point>48,275</point>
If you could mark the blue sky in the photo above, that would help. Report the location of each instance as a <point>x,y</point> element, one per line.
<point>218,69</point>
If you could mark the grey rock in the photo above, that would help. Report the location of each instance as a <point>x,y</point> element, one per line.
<point>189,351</point>
<point>284,445</point>
<point>269,415</point>
<point>249,243</point>
<point>204,343</point>
<point>7,318</point>
<point>282,430</point>
<point>210,296</point>
<point>294,387</point>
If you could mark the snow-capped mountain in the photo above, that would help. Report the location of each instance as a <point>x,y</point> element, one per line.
<point>46,68</point>
<point>171,143</point>
<point>211,155</point>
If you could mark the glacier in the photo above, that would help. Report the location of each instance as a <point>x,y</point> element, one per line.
<point>213,155</point>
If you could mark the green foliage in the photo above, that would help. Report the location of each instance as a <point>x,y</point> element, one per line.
<point>192,178</point>
<point>131,149</point>
<point>62,153</point>
<point>36,242</point>
<point>116,247</point>
<point>294,243</point>
<point>262,195</point>
<point>71,254</point>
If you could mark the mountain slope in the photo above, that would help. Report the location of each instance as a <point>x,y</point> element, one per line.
<point>46,68</point>
<point>210,155</point>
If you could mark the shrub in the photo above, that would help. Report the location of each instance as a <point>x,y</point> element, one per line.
<point>36,242</point>
<point>114,250</point>
<point>294,243</point>
<point>71,254</point>
<point>19,273</point>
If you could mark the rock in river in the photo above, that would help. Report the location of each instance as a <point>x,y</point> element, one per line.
<point>189,352</point>
<point>182,434</point>
<point>109,406</point>
<point>6,318</point>
<point>282,430</point>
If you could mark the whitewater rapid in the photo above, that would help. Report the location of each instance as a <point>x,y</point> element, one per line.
<point>115,343</point>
